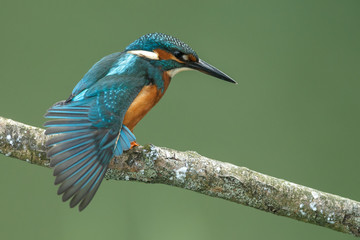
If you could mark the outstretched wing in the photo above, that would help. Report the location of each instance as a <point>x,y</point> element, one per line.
<point>87,131</point>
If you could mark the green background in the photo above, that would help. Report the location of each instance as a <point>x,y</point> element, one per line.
<point>294,115</point>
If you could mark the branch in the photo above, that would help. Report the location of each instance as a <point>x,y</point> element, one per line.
<point>189,170</point>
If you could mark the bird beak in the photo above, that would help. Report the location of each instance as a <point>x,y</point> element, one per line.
<point>204,67</point>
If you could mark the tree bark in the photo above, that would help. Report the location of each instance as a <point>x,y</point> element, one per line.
<point>189,170</point>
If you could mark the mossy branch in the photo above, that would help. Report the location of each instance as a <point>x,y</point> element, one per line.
<point>189,170</point>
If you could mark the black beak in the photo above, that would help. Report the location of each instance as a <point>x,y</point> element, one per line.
<point>204,67</point>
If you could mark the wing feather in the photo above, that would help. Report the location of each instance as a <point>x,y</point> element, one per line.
<point>88,133</point>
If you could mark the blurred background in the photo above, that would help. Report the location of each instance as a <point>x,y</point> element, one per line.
<point>293,115</point>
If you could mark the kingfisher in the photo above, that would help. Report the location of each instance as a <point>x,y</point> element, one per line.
<point>97,121</point>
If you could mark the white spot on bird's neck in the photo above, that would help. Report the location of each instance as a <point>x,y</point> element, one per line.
<point>145,54</point>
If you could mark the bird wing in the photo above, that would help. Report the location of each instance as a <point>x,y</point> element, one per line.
<point>96,72</point>
<point>87,131</point>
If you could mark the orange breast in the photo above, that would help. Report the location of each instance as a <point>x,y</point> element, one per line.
<point>147,98</point>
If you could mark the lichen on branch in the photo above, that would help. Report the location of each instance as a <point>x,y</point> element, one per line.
<point>189,170</point>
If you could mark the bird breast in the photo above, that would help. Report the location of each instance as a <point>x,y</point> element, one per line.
<point>147,98</point>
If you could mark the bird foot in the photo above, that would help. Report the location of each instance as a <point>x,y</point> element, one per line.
<point>133,144</point>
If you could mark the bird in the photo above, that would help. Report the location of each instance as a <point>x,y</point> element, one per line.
<point>96,122</point>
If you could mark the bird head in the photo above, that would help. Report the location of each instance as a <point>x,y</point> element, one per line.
<point>172,55</point>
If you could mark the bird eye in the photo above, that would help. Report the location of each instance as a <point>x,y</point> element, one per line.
<point>178,55</point>
<point>182,56</point>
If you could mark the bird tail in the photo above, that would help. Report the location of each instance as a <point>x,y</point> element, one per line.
<point>80,152</point>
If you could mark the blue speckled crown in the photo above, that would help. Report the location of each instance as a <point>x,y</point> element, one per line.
<point>152,41</point>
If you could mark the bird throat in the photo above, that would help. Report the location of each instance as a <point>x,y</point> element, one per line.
<point>147,98</point>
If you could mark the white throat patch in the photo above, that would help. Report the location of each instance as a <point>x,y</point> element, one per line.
<point>173,72</point>
<point>145,54</point>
